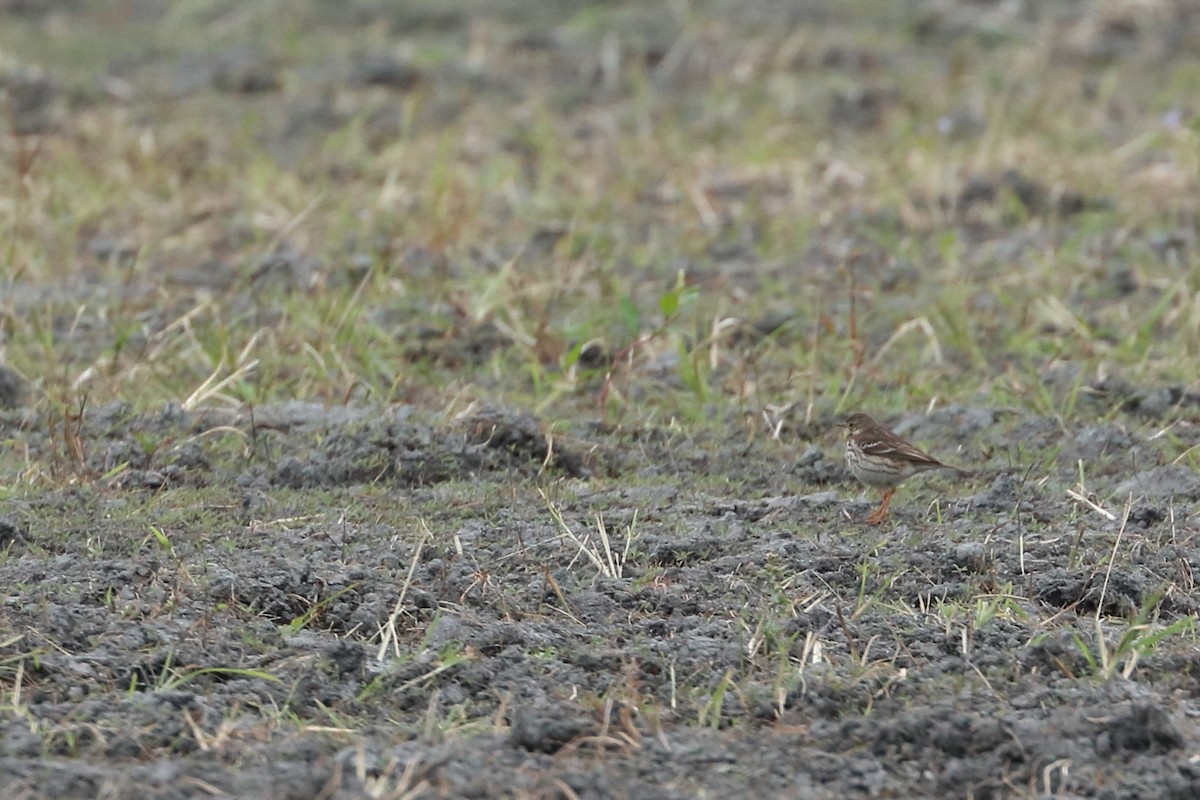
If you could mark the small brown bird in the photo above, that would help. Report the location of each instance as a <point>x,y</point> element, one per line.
<point>880,459</point>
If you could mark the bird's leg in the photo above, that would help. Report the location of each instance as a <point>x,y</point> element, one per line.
<point>880,513</point>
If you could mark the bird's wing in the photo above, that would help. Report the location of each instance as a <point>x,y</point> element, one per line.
<point>897,448</point>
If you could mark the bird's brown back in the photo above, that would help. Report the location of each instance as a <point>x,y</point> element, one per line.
<point>874,439</point>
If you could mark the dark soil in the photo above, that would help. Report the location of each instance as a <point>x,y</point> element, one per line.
<point>242,655</point>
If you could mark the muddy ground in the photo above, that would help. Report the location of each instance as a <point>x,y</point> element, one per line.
<point>380,599</point>
<point>939,656</point>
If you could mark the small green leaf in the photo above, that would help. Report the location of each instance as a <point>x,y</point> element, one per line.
<point>669,303</point>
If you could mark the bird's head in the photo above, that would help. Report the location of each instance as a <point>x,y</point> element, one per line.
<point>856,422</point>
